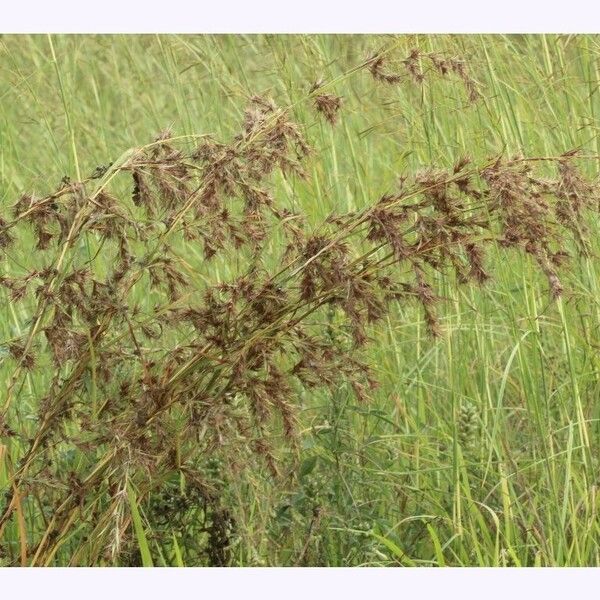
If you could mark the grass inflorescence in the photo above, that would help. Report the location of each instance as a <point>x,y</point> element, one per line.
<point>205,366</point>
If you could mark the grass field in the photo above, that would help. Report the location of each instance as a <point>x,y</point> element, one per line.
<point>479,447</point>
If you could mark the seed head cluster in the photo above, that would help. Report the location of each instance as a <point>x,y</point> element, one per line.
<point>149,364</point>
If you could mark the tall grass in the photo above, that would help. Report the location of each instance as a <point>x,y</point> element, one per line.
<point>477,448</point>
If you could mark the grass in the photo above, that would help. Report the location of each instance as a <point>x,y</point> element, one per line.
<point>479,448</point>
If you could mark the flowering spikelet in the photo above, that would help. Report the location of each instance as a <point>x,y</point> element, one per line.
<point>328,105</point>
<point>414,69</point>
<point>467,425</point>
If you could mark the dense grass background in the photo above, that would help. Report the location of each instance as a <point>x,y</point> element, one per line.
<point>479,448</point>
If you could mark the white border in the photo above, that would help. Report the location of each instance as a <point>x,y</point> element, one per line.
<point>300,16</point>
<point>299,584</point>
